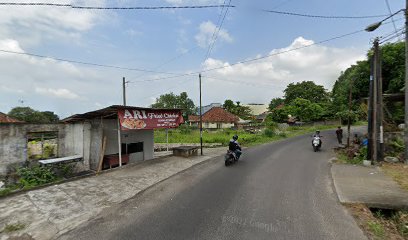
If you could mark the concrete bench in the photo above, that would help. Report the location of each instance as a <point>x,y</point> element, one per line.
<point>185,151</point>
<point>75,158</point>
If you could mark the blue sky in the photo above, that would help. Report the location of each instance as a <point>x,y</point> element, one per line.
<point>176,41</point>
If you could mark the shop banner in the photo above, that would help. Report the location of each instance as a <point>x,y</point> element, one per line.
<point>149,119</point>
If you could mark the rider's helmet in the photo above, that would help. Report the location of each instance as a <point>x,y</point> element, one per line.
<point>317,131</point>
<point>235,137</point>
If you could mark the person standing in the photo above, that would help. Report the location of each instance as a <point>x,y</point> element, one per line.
<point>339,134</point>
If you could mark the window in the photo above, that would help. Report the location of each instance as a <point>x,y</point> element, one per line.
<point>42,145</point>
<point>128,148</point>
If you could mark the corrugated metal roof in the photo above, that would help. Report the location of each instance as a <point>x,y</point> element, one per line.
<point>110,112</point>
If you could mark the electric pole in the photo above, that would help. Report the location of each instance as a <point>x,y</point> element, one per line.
<point>375,103</point>
<point>406,84</point>
<point>124,91</point>
<point>349,113</point>
<point>201,118</point>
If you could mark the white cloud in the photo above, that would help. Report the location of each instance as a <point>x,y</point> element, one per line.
<point>60,93</point>
<point>32,24</point>
<point>133,33</point>
<point>205,35</point>
<point>261,80</point>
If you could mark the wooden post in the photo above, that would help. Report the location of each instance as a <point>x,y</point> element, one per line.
<point>102,154</point>
<point>119,144</point>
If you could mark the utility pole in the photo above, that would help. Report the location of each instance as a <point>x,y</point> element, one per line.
<point>201,118</point>
<point>406,84</point>
<point>370,111</point>
<point>124,91</point>
<point>349,113</point>
<point>375,103</point>
<point>380,107</point>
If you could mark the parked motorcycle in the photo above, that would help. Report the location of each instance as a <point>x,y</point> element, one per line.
<point>230,158</point>
<point>316,143</point>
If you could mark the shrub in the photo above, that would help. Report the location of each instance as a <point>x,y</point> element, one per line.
<point>269,132</point>
<point>36,175</point>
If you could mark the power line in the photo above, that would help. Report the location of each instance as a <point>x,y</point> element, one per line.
<point>165,63</point>
<point>213,35</point>
<point>255,59</point>
<point>39,4</point>
<point>217,32</point>
<point>394,35</point>
<point>322,16</point>
<point>392,18</point>
<point>83,63</point>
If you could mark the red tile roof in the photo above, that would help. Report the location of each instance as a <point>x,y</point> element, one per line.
<point>4,118</point>
<point>216,114</point>
<point>193,118</point>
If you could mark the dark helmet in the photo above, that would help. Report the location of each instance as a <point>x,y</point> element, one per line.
<point>317,131</point>
<point>235,137</point>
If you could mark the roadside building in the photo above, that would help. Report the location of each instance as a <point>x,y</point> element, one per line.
<point>215,118</point>
<point>126,130</point>
<point>257,108</point>
<point>4,118</point>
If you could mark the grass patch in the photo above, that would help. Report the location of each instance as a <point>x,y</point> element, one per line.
<point>224,135</point>
<point>377,229</point>
<point>398,171</point>
<point>9,228</point>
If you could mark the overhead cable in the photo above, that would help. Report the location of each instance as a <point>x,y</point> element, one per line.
<point>217,32</point>
<point>83,63</point>
<point>109,8</point>
<point>255,59</point>
<point>322,16</point>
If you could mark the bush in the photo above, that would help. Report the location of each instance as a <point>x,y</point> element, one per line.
<point>36,175</point>
<point>184,128</point>
<point>269,132</point>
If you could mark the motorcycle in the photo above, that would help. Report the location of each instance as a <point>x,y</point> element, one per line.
<point>316,143</point>
<point>230,158</point>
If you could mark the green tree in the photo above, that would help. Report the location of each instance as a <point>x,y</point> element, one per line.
<point>243,112</point>
<point>306,111</point>
<point>307,90</point>
<point>170,100</point>
<point>30,115</point>
<point>275,102</point>
<point>229,105</point>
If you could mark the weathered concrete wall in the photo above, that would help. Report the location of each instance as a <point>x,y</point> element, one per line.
<point>96,133</point>
<point>77,142</point>
<point>13,142</point>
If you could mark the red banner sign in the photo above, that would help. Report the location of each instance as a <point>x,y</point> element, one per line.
<point>149,119</point>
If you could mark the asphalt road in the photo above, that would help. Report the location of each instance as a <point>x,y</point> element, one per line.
<point>280,190</point>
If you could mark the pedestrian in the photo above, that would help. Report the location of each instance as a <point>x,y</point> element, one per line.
<point>339,134</point>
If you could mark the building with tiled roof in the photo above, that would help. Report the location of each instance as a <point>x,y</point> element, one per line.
<point>216,117</point>
<point>4,118</point>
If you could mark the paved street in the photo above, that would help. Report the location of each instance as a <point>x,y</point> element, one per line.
<point>281,190</point>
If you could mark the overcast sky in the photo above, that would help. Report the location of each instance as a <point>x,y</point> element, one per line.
<point>176,42</point>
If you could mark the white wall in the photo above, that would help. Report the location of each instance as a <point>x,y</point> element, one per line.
<point>110,127</point>
<point>214,125</point>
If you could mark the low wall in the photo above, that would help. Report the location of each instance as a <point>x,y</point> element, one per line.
<point>13,142</point>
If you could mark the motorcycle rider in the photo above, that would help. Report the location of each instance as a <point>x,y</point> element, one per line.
<point>317,134</point>
<point>235,147</point>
